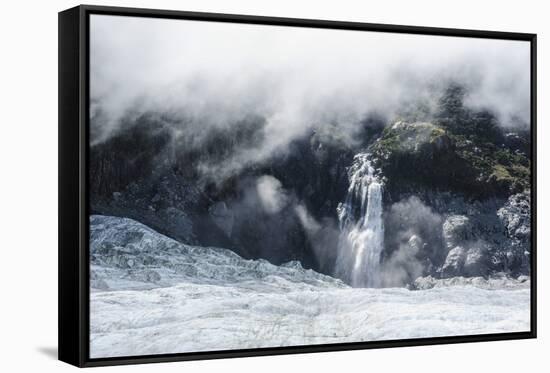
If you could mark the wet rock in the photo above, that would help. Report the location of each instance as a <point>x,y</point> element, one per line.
<point>456,229</point>
<point>475,263</point>
<point>515,215</point>
<point>454,262</point>
<point>415,243</point>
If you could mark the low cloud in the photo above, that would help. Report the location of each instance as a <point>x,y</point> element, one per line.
<point>272,196</point>
<point>323,236</point>
<point>308,222</point>
<point>208,76</point>
<point>204,79</point>
<point>412,234</point>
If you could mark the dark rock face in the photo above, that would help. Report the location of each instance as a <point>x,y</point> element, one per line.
<point>456,191</point>
<point>515,215</point>
<point>425,155</point>
<point>462,237</point>
<point>460,184</point>
<point>457,149</point>
<point>144,174</point>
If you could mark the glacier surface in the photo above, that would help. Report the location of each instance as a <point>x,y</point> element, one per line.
<point>152,295</point>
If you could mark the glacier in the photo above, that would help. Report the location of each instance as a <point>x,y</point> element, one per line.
<point>151,294</point>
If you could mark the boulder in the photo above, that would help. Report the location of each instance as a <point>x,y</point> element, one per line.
<point>475,263</point>
<point>415,243</point>
<point>456,229</point>
<point>515,215</point>
<point>454,262</point>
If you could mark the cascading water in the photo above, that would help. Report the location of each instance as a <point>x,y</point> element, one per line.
<point>361,225</point>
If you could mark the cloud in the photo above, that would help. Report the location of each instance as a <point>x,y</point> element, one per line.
<point>323,236</point>
<point>403,266</point>
<point>308,222</point>
<point>272,196</point>
<point>412,235</point>
<point>209,76</point>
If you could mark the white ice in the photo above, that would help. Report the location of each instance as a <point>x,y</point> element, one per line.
<point>211,299</point>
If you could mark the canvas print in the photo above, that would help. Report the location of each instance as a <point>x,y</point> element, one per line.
<point>260,186</point>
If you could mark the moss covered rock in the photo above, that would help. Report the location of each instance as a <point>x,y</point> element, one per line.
<point>427,155</point>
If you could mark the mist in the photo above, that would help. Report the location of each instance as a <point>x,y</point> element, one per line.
<point>272,196</point>
<point>323,235</point>
<point>210,75</point>
<point>413,230</point>
<point>237,96</point>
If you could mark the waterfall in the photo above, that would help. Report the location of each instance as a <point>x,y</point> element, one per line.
<point>362,228</point>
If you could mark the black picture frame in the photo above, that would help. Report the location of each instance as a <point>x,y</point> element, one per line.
<point>74,206</point>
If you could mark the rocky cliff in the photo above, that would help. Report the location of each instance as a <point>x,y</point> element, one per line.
<point>456,190</point>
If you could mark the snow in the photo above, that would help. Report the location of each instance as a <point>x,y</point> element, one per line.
<point>206,299</point>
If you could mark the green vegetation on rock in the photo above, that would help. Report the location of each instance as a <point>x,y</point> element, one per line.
<point>460,150</point>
